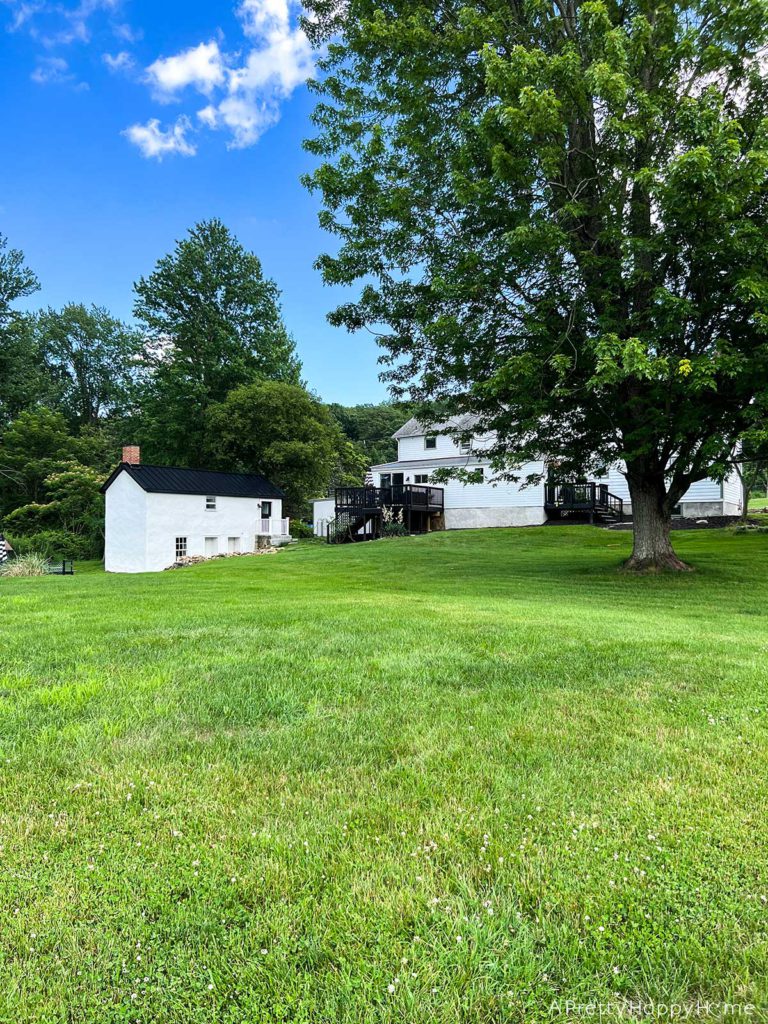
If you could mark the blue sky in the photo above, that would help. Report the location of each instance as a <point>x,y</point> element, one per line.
<point>126,121</point>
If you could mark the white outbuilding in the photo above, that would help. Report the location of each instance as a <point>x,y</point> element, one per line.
<point>156,515</point>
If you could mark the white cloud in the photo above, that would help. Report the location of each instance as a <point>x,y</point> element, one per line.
<point>154,142</point>
<point>52,71</point>
<point>201,66</point>
<point>54,23</point>
<point>118,62</point>
<point>127,33</point>
<point>246,95</point>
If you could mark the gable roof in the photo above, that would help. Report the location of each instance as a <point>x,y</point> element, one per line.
<point>174,480</point>
<point>414,428</point>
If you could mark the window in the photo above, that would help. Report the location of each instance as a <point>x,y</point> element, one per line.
<point>430,443</point>
<point>480,473</point>
<point>210,503</point>
<point>465,447</point>
<point>233,545</point>
<point>421,478</point>
<point>266,510</point>
<point>181,547</point>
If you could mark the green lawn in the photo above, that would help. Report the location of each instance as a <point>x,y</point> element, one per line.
<point>454,778</point>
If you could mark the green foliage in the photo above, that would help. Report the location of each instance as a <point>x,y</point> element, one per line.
<point>560,214</point>
<point>32,564</point>
<point>276,779</point>
<point>23,380</point>
<point>301,530</point>
<point>57,544</point>
<point>16,280</point>
<point>370,427</point>
<point>35,445</point>
<point>214,324</point>
<point>279,430</point>
<point>72,511</point>
<point>92,359</point>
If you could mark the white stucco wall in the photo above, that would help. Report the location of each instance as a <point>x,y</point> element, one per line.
<point>141,528</point>
<point>125,520</point>
<point>184,515</point>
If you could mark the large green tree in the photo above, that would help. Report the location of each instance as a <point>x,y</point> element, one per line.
<point>21,378</point>
<point>213,324</point>
<point>559,213</point>
<point>16,279</point>
<point>281,431</point>
<point>92,360</point>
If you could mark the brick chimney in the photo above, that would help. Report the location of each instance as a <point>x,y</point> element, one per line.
<point>132,455</point>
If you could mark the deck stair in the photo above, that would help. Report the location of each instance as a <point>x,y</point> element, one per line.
<point>350,526</point>
<point>577,500</point>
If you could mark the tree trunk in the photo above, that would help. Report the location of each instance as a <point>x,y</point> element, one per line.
<point>651,520</point>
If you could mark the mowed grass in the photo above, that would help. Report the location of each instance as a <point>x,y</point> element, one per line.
<point>461,777</point>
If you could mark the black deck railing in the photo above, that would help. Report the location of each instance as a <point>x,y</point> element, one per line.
<point>583,497</point>
<point>413,496</point>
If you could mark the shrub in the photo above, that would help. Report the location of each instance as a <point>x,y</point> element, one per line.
<point>301,530</point>
<point>56,544</point>
<point>32,564</point>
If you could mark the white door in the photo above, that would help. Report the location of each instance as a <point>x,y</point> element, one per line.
<point>211,546</point>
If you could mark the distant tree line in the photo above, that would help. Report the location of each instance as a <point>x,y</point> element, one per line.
<point>207,377</point>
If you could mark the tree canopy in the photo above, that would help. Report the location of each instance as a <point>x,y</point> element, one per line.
<point>92,360</point>
<point>281,431</point>
<point>213,324</point>
<point>559,213</point>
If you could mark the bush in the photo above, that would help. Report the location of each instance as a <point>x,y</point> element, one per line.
<point>32,564</point>
<point>301,530</point>
<point>56,544</point>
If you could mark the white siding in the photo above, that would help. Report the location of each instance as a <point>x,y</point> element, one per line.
<point>733,495</point>
<point>504,494</point>
<point>409,448</point>
<point>703,490</point>
<point>125,526</point>
<point>324,510</point>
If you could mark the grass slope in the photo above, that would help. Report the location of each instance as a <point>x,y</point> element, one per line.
<point>462,777</point>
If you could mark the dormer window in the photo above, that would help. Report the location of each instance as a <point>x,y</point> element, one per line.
<point>430,442</point>
<point>210,503</point>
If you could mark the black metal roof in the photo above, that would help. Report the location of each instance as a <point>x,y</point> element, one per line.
<point>174,480</point>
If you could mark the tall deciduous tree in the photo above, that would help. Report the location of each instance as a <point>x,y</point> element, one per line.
<point>560,213</point>
<point>214,324</point>
<point>16,279</point>
<point>281,431</point>
<point>21,378</point>
<point>92,359</point>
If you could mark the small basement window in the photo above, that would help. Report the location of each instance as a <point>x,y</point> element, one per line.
<point>210,503</point>
<point>430,443</point>
<point>181,547</point>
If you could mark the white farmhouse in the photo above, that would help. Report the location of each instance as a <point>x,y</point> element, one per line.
<point>158,514</point>
<point>408,484</point>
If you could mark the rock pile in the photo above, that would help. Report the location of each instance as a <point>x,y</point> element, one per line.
<point>184,563</point>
